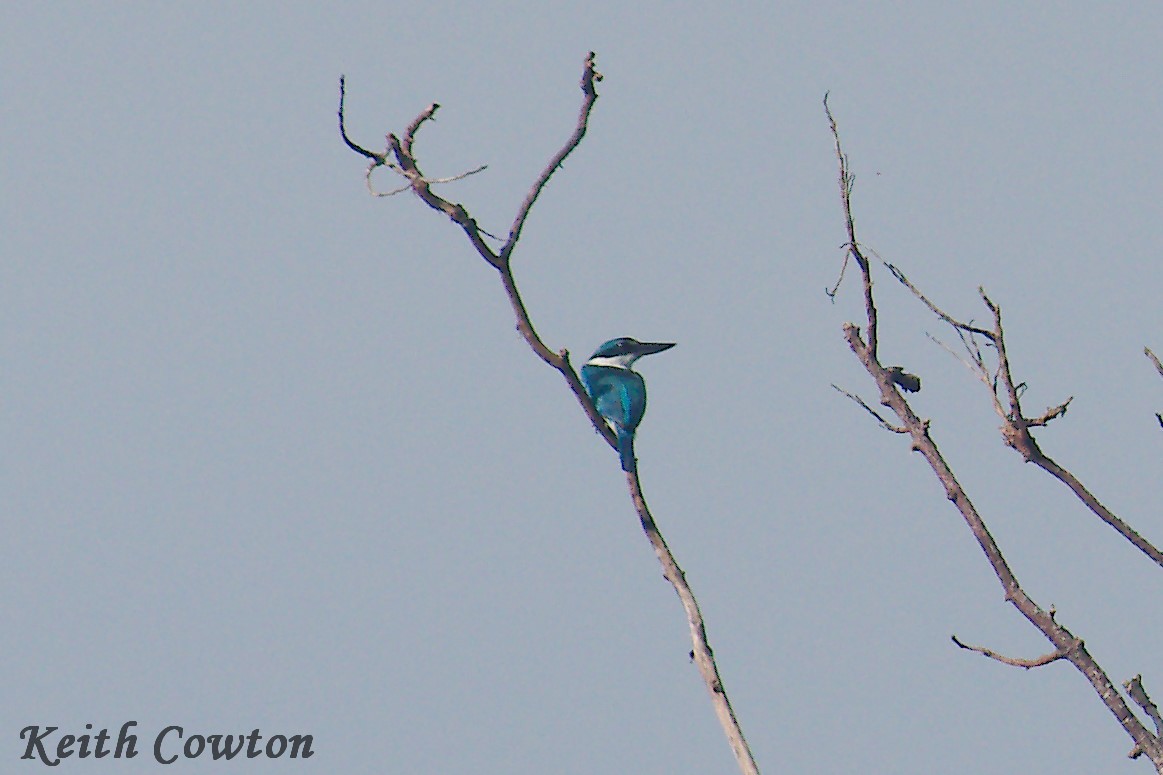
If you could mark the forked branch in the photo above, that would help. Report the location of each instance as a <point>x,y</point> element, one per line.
<point>1006,395</point>
<point>400,157</point>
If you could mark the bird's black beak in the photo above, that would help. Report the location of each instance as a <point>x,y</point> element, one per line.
<point>649,348</point>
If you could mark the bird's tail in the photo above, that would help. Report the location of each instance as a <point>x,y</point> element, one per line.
<point>626,451</point>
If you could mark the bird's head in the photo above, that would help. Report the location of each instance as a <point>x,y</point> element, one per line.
<point>622,352</point>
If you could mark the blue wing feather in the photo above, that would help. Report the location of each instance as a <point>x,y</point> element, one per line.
<point>620,397</point>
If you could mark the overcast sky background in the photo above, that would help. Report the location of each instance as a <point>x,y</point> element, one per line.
<point>275,456</point>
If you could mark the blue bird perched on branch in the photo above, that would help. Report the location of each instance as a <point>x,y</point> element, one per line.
<point>618,392</point>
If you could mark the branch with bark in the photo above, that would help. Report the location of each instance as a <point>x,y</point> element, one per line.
<point>1007,403</point>
<point>400,157</point>
<point>1016,432</point>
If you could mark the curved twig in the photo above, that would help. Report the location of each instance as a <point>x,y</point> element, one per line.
<point>1027,664</point>
<point>378,158</point>
<point>589,77</point>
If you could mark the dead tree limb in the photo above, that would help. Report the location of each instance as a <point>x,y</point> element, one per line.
<point>1028,664</point>
<point>1137,693</point>
<point>1006,395</point>
<point>1066,645</point>
<point>400,157</point>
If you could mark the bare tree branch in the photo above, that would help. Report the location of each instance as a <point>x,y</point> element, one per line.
<point>589,77</point>
<point>883,422</point>
<point>839,278</point>
<point>406,165</point>
<point>701,652</point>
<point>1051,413</point>
<point>1050,466</point>
<point>452,178</point>
<point>966,327</point>
<point>1028,664</point>
<point>402,149</point>
<point>1006,396</point>
<point>375,157</point>
<point>1064,642</point>
<point>847,180</point>
<point>1137,693</point>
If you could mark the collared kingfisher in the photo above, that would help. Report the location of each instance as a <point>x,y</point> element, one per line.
<point>619,392</point>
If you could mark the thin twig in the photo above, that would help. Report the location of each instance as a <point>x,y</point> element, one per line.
<point>1028,664</point>
<point>371,189</point>
<point>847,180</point>
<point>831,292</point>
<point>1051,413</point>
<point>900,276</point>
<point>975,363</point>
<point>589,76</point>
<point>375,157</point>
<point>429,181</point>
<point>860,401</point>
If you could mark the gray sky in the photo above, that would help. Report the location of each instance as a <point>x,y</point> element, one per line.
<point>276,458</point>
